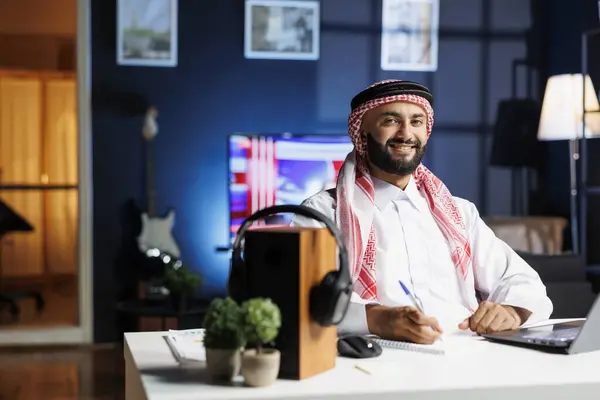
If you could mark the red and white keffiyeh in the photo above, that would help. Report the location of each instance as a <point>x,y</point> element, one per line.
<point>354,211</point>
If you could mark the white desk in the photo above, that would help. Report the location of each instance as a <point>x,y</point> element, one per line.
<point>472,368</point>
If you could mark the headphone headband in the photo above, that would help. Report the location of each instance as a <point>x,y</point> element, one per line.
<point>330,298</point>
<point>305,212</point>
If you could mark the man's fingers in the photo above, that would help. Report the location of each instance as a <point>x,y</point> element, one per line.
<point>487,319</point>
<point>477,317</point>
<point>415,315</point>
<point>491,318</point>
<point>421,319</point>
<point>422,334</point>
<point>500,323</point>
<point>410,324</point>
<point>514,323</point>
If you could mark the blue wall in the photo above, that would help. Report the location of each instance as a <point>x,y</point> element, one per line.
<point>214,91</point>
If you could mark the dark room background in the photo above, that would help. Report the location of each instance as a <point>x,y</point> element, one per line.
<point>214,91</point>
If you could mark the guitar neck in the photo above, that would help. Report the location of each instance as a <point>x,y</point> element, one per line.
<point>150,189</point>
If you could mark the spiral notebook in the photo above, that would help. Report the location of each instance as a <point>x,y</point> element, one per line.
<point>435,348</point>
<point>186,345</point>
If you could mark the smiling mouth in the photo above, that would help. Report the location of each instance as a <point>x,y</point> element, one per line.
<point>402,148</point>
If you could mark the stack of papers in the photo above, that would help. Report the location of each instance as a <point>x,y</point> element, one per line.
<point>187,345</point>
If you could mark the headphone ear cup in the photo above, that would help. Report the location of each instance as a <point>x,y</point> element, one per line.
<point>317,307</point>
<point>323,300</point>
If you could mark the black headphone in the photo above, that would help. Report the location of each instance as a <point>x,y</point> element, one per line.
<point>329,299</point>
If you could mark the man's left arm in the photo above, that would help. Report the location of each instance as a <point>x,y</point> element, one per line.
<point>512,289</point>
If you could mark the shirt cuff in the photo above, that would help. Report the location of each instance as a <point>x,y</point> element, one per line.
<point>355,321</point>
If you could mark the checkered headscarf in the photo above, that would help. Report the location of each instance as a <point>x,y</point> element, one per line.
<point>359,233</point>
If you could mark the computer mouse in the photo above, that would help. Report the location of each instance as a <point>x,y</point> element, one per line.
<point>358,347</point>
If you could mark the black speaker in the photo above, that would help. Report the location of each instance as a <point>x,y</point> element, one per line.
<point>296,268</point>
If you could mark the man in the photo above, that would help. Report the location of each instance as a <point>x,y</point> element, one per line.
<point>401,224</point>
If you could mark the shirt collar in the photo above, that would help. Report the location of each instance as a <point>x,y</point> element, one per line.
<point>386,192</point>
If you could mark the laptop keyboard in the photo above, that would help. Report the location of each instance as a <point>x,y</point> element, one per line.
<point>562,334</point>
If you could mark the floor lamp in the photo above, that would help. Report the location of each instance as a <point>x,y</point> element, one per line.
<point>562,118</point>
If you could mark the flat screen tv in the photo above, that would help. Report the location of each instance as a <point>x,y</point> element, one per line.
<point>266,170</point>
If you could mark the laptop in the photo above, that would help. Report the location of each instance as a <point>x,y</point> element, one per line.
<point>571,337</point>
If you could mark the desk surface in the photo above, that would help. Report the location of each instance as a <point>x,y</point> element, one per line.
<point>471,367</point>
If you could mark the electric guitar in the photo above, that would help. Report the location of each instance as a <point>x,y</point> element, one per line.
<point>156,231</point>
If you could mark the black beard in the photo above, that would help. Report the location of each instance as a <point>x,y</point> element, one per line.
<point>383,159</point>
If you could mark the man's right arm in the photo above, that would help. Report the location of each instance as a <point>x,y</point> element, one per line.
<point>355,321</point>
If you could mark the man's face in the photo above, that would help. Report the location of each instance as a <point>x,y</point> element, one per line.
<point>396,135</point>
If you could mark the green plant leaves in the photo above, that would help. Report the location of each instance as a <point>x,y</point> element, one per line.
<point>262,320</point>
<point>223,325</point>
<point>181,280</point>
<point>229,326</point>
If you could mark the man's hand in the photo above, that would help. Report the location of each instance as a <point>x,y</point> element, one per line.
<point>402,323</point>
<point>491,317</point>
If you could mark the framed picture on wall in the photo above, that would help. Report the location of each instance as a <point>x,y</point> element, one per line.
<point>147,32</point>
<point>409,37</point>
<point>282,29</point>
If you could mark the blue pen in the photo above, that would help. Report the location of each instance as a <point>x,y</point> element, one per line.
<point>413,300</point>
<point>410,295</point>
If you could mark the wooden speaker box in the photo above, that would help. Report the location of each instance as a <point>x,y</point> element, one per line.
<point>283,263</point>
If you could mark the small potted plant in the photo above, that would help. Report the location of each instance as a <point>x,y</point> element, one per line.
<point>181,283</point>
<point>223,339</point>
<point>262,320</point>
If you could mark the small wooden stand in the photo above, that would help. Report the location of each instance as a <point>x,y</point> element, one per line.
<point>283,263</point>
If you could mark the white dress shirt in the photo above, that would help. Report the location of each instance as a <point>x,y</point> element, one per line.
<point>410,247</point>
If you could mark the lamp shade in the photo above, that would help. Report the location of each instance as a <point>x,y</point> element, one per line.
<point>561,116</point>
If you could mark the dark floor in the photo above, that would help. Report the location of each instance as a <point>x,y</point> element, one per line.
<point>49,373</point>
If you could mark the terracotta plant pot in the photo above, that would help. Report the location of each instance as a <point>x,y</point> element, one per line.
<point>223,364</point>
<point>260,369</point>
